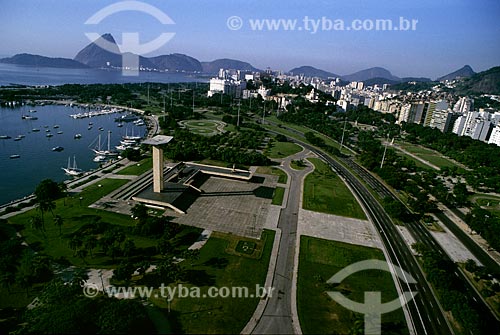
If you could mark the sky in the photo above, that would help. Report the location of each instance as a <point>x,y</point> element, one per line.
<point>449,33</point>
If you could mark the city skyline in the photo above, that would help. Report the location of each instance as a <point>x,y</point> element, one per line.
<point>448,34</point>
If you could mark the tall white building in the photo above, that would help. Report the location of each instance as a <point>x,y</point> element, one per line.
<point>495,136</point>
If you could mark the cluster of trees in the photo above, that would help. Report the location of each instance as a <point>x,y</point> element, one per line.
<point>168,268</point>
<point>486,224</point>
<point>440,273</point>
<point>403,174</point>
<point>63,309</point>
<point>490,286</point>
<point>482,158</point>
<point>234,148</point>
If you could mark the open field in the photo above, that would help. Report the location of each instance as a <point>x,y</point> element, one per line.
<point>221,267</point>
<point>325,192</point>
<point>203,127</point>
<point>282,149</point>
<point>319,260</point>
<point>138,168</point>
<point>429,155</point>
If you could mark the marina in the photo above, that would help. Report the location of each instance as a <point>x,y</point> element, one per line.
<point>24,145</point>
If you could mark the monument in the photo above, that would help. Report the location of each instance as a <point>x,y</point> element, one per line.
<point>158,164</point>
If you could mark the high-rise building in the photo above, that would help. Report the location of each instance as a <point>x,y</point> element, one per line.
<point>495,136</point>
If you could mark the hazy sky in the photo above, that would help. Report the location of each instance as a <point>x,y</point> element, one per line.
<point>449,34</point>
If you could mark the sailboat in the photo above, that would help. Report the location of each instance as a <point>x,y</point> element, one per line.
<point>72,170</point>
<point>131,137</point>
<point>98,150</point>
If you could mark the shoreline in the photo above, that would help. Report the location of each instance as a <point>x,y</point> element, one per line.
<point>152,127</point>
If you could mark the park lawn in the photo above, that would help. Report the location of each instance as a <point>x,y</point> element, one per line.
<point>216,267</point>
<point>325,192</point>
<point>429,155</point>
<point>138,168</point>
<point>74,216</point>
<point>318,313</point>
<point>282,149</point>
<point>279,193</point>
<point>282,176</point>
<point>417,162</point>
<point>486,201</point>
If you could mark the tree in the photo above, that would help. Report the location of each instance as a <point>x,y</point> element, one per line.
<point>164,247</point>
<point>75,243</point>
<point>90,243</point>
<point>124,271</point>
<point>191,255</point>
<point>45,195</point>
<point>82,253</point>
<point>37,223</point>
<point>460,192</point>
<point>128,248</point>
<point>59,221</point>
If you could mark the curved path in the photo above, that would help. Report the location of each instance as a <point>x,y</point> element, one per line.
<point>279,316</point>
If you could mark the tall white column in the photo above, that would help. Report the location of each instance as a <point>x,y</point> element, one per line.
<point>157,169</point>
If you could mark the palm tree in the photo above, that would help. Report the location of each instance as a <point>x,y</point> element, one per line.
<point>82,253</point>
<point>59,221</point>
<point>75,243</point>
<point>37,223</point>
<point>89,243</point>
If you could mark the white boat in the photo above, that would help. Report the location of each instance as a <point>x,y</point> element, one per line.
<point>77,136</point>
<point>99,158</point>
<point>14,156</point>
<point>72,170</point>
<point>131,137</point>
<point>98,149</point>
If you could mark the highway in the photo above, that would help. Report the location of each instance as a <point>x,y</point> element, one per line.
<point>426,315</point>
<point>420,233</point>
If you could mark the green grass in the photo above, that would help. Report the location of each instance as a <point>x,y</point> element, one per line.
<point>417,162</point>
<point>297,165</point>
<point>218,268</point>
<point>138,168</point>
<point>279,193</point>
<point>429,155</point>
<point>282,176</point>
<point>325,192</point>
<point>75,215</point>
<point>202,127</point>
<point>282,149</point>
<point>319,260</point>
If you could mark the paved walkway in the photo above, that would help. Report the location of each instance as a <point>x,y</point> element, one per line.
<point>338,228</point>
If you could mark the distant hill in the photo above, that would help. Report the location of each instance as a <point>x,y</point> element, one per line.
<point>310,71</point>
<point>95,56</point>
<point>36,60</point>
<point>374,72</point>
<point>486,82</point>
<point>464,72</point>
<point>213,67</point>
<point>379,81</point>
<point>176,62</point>
<point>417,79</point>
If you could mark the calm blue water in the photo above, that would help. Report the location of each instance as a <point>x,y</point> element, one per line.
<point>19,177</point>
<point>27,75</point>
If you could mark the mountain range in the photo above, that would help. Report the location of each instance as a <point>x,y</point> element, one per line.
<point>94,56</point>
